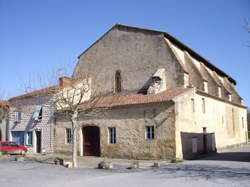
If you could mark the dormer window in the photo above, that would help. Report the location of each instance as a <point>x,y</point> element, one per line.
<point>118,82</point>
<point>219,91</point>
<point>229,97</point>
<point>205,86</point>
<point>155,85</point>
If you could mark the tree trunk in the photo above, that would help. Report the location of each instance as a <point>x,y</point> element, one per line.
<point>74,137</point>
<point>74,146</point>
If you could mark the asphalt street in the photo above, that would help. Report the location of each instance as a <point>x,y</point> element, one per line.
<point>231,168</point>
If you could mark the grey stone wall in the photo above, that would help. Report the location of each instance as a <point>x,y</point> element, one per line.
<point>130,123</point>
<point>28,106</point>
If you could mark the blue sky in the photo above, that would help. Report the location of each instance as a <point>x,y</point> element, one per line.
<point>39,37</point>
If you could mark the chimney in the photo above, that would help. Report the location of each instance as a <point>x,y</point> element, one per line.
<point>64,81</point>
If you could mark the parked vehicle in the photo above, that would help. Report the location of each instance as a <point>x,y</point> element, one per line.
<point>12,148</point>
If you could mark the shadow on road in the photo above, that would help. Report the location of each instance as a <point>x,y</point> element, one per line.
<point>229,156</point>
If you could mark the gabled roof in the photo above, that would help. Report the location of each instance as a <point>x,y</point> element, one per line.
<point>45,91</point>
<point>174,41</point>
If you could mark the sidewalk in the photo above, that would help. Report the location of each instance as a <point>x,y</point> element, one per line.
<point>92,162</point>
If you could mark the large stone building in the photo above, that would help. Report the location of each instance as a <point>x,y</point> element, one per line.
<point>162,99</point>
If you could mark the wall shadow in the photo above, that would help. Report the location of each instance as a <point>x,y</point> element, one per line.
<point>229,156</point>
<point>195,145</point>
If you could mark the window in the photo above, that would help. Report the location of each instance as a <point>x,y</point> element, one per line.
<point>112,135</point>
<point>38,114</point>
<point>203,105</point>
<point>205,86</point>
<point>17,116</point>
<point>118,81</point>
<point>229,97</point>
<point>150,135</point>
<point>242,121</point>
<point>193,105</point>
<point>29,138</point>
<point>219,91</point>
<point>68,136</point>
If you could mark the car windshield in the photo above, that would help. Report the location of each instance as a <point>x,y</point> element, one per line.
<point>13,144</point>
<point>5,144</point>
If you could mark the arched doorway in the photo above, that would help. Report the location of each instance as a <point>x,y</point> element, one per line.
<point>91,141</point>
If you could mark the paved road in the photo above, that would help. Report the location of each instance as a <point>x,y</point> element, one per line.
<point>230,168</point>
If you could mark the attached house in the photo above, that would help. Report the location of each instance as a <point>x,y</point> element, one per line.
<point>160,99</point>
<point>31,118</point>
<point>4,106</point>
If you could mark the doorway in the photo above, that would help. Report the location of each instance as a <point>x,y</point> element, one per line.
<point>38,141</point>
<point>91,141</point>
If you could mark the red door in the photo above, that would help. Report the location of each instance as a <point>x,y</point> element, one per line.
<point>91,141</point>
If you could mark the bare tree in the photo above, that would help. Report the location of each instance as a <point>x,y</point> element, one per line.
<point>74,100</point>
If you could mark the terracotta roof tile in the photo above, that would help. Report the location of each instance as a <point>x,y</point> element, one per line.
<point>44,91</point>
<point>130,99</point>
<point>4,103</point>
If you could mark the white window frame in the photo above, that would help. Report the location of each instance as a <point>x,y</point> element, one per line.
<point>112,135</point>
<point>205,84</point>
<point>37,116</point>
<point>27,138</point>
<point>203,105</point>
<point>150,132</point>
<point>68,136</point>
<point>219,91</point>
<point>18,116</point>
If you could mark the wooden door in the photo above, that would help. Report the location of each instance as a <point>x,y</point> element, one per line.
<point>38,141</point>
<point>91,141</point>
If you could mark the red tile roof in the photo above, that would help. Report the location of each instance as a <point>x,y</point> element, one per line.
<point>130,99</point>
<point>4,103</point>
<point>45,91</point>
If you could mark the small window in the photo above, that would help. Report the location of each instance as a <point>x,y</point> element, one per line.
<point>38,114</point>
<point>229,97</point>
<point>150,134</point>
<point>112,135</point>
<point>193,105</point>
<point>17,116</point>
<point>205,86</point>
<point>242,121</point>
<point>219,91</point>
<point>118,81</point>
<point>29,138</point>
<point>68,136</point>
<point>203,105</point>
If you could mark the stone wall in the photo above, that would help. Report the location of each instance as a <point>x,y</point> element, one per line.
<point>136,53</point>
<point>130,123</point>
<point>225,120</point>
<point>27,107</point>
